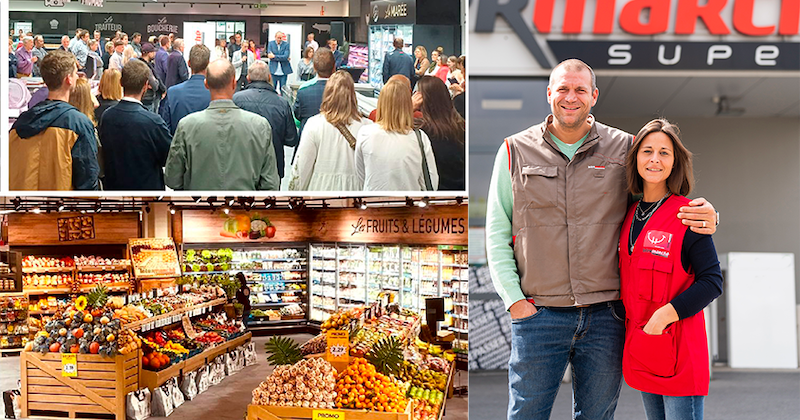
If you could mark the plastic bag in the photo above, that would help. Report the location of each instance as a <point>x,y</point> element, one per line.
<point>189,385</point>
<point>229,363</point>
<point>137,404</point>
<point>251,357</point>
<point>162,401</point>
<point>203,379</point>
<point>177,394</point>
<point>217,370</point>
<point>240,362</point>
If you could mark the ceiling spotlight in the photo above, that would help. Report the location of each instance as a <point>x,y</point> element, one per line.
<point>363,205</point>
<point>424,202</point>
<point>17,204</point>
<point>98,207</point>
<point>84,211</point>
<point>171,208</point>
<point>409,202</point>
<point>291,204</point>
<point>226,209</point>
<point>459,200</point>
<point>61,206</point>
<point>147,208</point>
<point>269,202</point>
<point>36,210</point>
<point>196,199</point>
<point>231,200</point>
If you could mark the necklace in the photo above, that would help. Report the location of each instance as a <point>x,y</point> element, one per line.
<point>643,216</point>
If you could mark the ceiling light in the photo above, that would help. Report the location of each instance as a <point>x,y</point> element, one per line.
<point>196,199</point>
<point>226,209</point>
<point>36,210</point>
<point>424,202</point>
<point>61,206</point>
<point>171,208</point>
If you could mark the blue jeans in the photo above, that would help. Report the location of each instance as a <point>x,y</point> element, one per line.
<point>542,345</point>
<point>662,407</point>
<point>278,80</point>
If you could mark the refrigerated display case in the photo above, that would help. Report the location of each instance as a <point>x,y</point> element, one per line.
<point>381,38</point>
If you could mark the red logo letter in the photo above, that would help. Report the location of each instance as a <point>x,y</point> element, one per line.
<point>689,11</point>
<point>657,22</point>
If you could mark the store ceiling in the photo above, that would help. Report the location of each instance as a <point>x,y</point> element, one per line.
<point>670,96</point>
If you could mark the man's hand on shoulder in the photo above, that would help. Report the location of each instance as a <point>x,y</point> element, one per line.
<point>700,216</point>
<point>521,309</point>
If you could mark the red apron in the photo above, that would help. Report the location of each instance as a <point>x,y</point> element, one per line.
<point>676,362</point>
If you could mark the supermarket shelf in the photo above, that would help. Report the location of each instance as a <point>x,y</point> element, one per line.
<point>346,270</point>
<point>434,294</point>
<point>324,307</point>
<point>282,281</point>
<point>352,258</point>
<point>267,292</point>
<point>317,257</point>
<point>101,268</point>
<point>458,330</point>
<point>111,288</point>
<point>41,312</point>
<point>49,291</point>
<point>460,316</point>
<point>274,304</point>
<point>331,270</point>
<point>265,321</point>
<point>461,304</point>
<point>138,324</point>
<point>456,265</point>
<point>270,260</point>
<point>31,270</point>
<point>257,270</point>
<point>352,299</point>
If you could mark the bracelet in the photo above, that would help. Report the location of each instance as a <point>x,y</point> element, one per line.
<point>717,219</point>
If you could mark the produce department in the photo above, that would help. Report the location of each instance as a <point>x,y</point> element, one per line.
<point>135,318</point>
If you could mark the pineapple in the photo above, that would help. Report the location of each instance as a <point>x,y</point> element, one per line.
<point>386,355</point>
<point>97,297</point>
<point>283,351</point>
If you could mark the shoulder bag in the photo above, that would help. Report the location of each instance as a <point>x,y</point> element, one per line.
<point>425,172</point>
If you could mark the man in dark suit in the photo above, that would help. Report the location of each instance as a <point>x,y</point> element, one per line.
<point>177,72</point>
<point>260,97</point>
<point>161,59</point>
<point>190,96</point>
<point>279,65</point>
<point>333,44</point>
<point>309,96</point>
<point>135,141</point>
<point>398,62</point>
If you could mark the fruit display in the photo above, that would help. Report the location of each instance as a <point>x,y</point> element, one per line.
<point>47,280</point>
<point>424,409</point>
<point>309,383</point>
<point>422,377</point>
<point>258,313</point>
<point>315,346</point>
<point>212,325</point>
<point>33,262</point>
<point>360,386</point>
<point>14,327</point>
<point>209,338</point>
<point>340,320</point>
<point>95,261</point>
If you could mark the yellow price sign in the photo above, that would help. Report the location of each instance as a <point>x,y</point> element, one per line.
<point>69,365</point>
<point>327,415</point>
<point>338,346</point>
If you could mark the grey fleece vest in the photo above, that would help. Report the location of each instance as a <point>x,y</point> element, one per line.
<point>567,214</point>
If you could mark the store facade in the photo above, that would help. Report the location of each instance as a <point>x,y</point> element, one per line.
<point>727,73</point>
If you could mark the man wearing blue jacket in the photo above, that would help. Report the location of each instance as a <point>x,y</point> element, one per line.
<point>52,145</point>
<point>398,62</point>
<point>135,141</point>
<point>279,65</point>
<point>191,95</point>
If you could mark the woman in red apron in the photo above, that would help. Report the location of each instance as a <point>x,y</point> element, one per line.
<point>668,274</point>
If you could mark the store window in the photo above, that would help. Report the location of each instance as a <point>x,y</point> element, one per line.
<point>226,29</point>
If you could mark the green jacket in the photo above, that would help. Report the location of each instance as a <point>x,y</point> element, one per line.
<point>222,148</point>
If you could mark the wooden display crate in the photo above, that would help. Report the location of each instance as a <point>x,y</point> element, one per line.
<point>98,391</point>
<point>268,412</point>
<point>152,380</point>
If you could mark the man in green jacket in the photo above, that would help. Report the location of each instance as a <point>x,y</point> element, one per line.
<point>222,147</point>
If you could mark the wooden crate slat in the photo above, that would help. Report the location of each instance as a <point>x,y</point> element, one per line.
<point>93,358</point>
<point>32,372</point>
<point>61,390</point>
<point>259,412</point>
<point>130,363</point>
<point>69,408</point>
<point>72,399</point>
<point>94,384</point>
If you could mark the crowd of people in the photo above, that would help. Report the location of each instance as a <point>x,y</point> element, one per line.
<point>220,121</point>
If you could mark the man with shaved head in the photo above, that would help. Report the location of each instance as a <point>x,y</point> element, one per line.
<point>222,147</point>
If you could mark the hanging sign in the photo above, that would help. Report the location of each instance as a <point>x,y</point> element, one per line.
<point>69,365</point>
<point>75,228</point>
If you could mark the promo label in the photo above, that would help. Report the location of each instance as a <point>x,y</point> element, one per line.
<point>658,242</point>
<point>69,365</point>
<point>338,346</point>
<point>327,415</point>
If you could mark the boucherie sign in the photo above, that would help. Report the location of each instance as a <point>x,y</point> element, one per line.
<point>627,34</point>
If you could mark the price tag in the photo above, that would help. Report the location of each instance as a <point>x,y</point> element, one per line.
<point>188,328</point>
<point>338,346</point>
<point>327,415</point>
<point>69,365</point>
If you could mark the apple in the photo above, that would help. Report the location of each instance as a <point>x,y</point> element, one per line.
<point>270,231</point>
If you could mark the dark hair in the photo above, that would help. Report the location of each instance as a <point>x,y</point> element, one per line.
<point>305,52</point>
<point>439,118</point>
<point>135,34</point>
<point>681,179</point>
<point>134,76</point>
<point>220,78</point>
<point>163,40</point>
<point>198,58</point>
<point>55,66</point>
<point>324,63</point>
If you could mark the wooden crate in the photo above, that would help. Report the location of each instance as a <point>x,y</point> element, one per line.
<point>268,412</point>
<point>152,380</point>
<point>98,391</point>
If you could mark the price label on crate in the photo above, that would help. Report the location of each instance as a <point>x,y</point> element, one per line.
<point>338,346</point>
<point>69,365</point>
<point>327,415</point>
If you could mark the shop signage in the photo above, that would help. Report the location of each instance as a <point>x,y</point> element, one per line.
<point>75,228</point>
<point>93,3</point>
<point>338,346</point>
<point>25,229</point>
<point>393,11</point>
<point>108,25</point>
<point>659,19</point>
<point>55,3</point>
<point>327,415</point>
<point>434,225</point>
<point>54,24</point>
<point>69,365</point>
<point>162,27</point>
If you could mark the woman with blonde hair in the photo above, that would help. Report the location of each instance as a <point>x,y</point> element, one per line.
<point>391,155</point>
<point>324,159</point>
<point>421,63</point>
<point>81,97</point>
<point>110,92</point>
<point>127,54</point>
